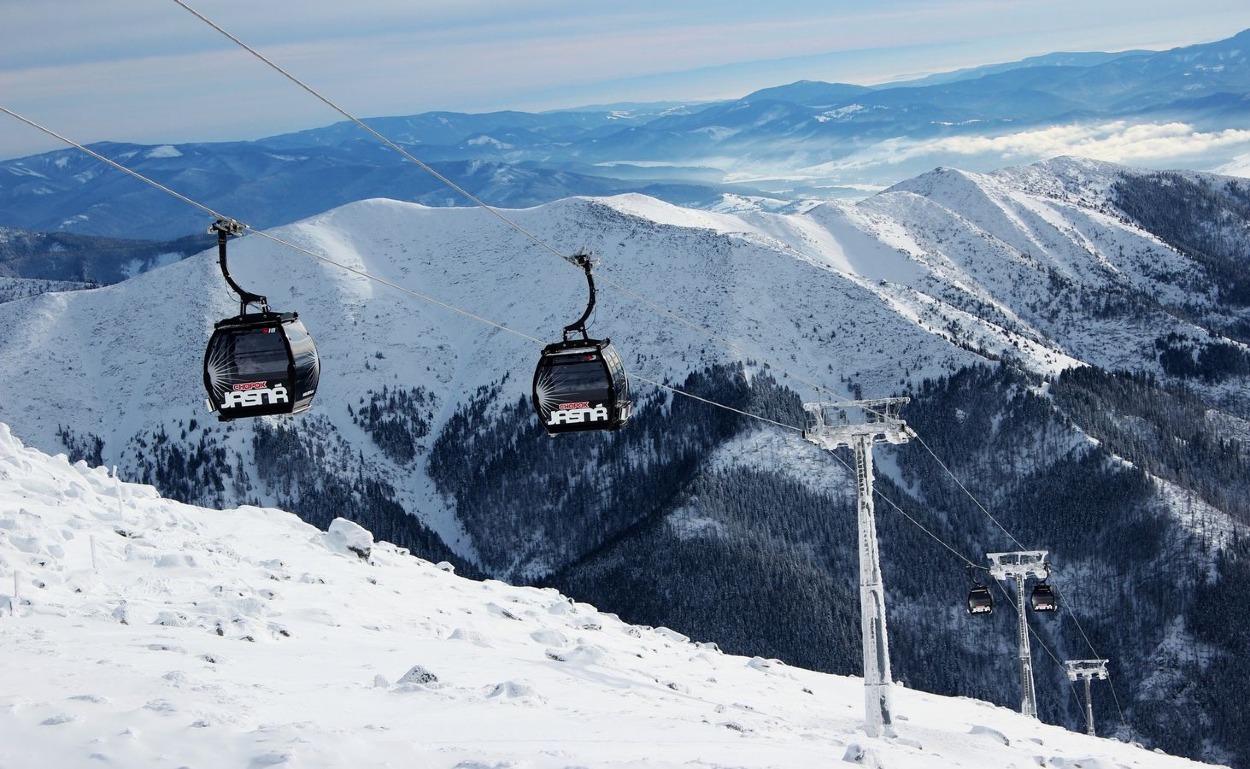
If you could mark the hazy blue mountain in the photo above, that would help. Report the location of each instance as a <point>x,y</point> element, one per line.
<point>803,141</point>
<point>64,256</point>
<point>265,188</point>
<point>809,93</point>
<point>1062,59</point>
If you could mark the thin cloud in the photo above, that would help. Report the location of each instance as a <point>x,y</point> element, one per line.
<point>1115,141</point>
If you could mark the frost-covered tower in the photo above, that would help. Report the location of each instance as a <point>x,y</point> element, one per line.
<point>1019,566</point>
<point>860,424</point>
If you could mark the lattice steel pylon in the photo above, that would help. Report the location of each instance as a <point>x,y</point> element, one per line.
<point>860,424</point>
<point>1087,670</point>
<point>1019,566</point>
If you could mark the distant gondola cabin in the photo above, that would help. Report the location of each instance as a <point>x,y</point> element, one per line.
<point>980,601</point>
<point>1043,598</point>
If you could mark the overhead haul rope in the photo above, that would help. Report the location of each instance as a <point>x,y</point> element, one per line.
<point>516,226</point>
<point>356,271</point>
<point>416,294</point>
<point>424,297</point>
<point>405,153</point>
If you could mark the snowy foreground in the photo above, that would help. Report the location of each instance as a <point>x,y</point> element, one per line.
<point>139,632</point>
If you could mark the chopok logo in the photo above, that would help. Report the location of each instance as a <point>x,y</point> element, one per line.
<point>255,394</point>
<point>577,413</point>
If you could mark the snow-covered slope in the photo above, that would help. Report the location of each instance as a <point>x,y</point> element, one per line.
<point>140,632</point>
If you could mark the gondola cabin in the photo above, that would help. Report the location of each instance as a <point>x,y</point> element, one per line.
<point>580,385</point>
<point>980,601</point>
<point>1043,598</point>
<point>258,364</point>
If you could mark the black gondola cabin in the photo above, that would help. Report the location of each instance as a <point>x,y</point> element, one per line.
<point>581,385</point>
<point>980,601</point>
<point>259,364</point>
<point>1043,598</point>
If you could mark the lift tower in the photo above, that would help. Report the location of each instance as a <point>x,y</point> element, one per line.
<point>1087,670</point>
<point>1019,566</point>
<point>860,424</point>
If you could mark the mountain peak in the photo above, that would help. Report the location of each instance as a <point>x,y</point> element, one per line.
<point>808,93</point>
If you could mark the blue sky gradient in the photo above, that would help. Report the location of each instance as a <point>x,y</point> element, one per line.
<point>148,71</point>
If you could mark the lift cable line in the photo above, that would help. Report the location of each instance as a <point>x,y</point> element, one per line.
<point>354,270</point>
<point>692,396</point>
<point>405,153</point>
<point>511,223</point>
<point>880,495</point>
<point>965,490</point>
<point>532,237</point>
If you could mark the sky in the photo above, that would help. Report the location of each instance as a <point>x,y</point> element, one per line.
<point>139,632</point>
<point>149,71</point>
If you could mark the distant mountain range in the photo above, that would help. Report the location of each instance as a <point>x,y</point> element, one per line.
<point>1073,334</point>
<point>64,256</point>
<point>769,149</point>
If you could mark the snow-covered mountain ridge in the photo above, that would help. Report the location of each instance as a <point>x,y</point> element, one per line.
<point>140,632</point>
<point>1031,266</point>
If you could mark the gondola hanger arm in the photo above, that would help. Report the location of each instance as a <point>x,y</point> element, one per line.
<point>225,228</point>
<point>582,259</point>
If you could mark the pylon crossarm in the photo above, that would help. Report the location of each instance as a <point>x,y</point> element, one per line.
<point>835,424</point>
<point>1024,564</point>
<point>1086,669</point>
